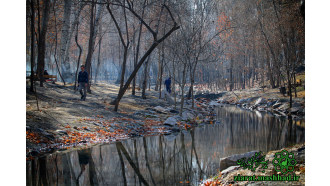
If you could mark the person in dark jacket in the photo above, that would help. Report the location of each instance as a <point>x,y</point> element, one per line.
<point>46,73</point>
<point>168,85</point>
<point>83,82</point>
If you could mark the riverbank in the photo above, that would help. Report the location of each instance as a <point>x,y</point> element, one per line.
<point>262,100</point>
<point>63,121</point>
<point>227,176</point>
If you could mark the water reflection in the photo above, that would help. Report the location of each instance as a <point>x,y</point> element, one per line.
<point>167,160</point>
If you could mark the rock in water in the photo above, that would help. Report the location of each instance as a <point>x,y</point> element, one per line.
<point>251,100</point>
<point>276,105</point>
<point>284,107</point>
<point>271,103</point>
<point>260,101</point>
<point>241,101</point>
<point>282,100</point>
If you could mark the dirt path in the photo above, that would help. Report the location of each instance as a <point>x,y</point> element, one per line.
<point>60,105</point>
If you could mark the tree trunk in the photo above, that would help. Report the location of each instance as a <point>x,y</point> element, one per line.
<point>32,45</point>
<point>119,58</point>
<point>98,59</point>
<point>118,75</point>
<point>138,50</point>
<point>173,84</point>
<point>270,72</point>
<point>78,63</point>
<point>55,50</point>
<point>134,61</point>
<point>289,86</point>
<point>231,75</point>
<point>91,43</point>
<point>65,65</point>
<point>72,29</point>
<point>192,78</point>
<point>42,43</point>
<point>295,87</point>
<point>158,72</point>
<point>123,67</point>
<point>144,84</point>
<point>182,87</point>
<point>161,77</point>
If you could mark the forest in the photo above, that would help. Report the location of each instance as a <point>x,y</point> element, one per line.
<point>223,45</point>
<point>161,68</point>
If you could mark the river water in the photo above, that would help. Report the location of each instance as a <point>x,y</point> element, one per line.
<point>176,159</point>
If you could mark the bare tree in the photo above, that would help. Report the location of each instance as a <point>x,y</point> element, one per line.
<point>32,45</point>
<point>93,30</point>
<point>155,43</point>
<point>42,42</point>
<point>65,40</point>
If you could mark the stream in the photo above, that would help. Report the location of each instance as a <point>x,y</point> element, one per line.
<point>175,159</point>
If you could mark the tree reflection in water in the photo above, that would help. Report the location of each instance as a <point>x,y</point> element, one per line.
<point>167,160</point>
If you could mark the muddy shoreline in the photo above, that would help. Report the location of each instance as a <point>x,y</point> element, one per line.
<point>260,100</point>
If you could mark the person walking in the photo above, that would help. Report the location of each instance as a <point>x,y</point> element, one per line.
<point>83,82</point>
<point>168,85</point>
